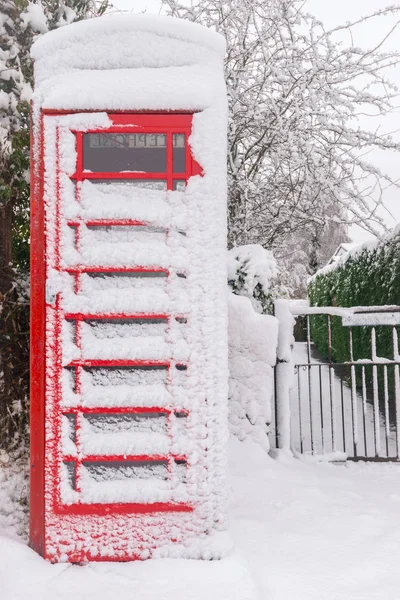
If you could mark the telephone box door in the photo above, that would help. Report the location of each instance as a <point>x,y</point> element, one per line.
<point>119,430</point>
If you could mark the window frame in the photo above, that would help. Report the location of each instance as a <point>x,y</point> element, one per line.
<point>161,123</point>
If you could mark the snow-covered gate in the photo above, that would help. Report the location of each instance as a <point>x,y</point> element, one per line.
<point>129,308</point>
<point>337,410</point>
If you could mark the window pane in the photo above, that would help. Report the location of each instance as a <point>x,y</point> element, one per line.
<point>179,153</point>
<point>179,185</point>
<point>116,152</point>
<point>148,184</point>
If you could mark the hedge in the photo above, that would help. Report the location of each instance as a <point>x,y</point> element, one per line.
<point>368,276</point>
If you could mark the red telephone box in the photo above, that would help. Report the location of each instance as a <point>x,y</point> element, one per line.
<point>128,347</point>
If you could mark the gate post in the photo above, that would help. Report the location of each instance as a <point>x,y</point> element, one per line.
<point>283,373</point>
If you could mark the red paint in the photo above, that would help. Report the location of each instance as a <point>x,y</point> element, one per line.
<point>168,123</point>
<point>37,338</point>
<point>120,509</point>
<point>109,223</point>
<point>170,184</point>
<point>93,410</point>
<point>79,152</point>
<point>122,113</point>
<point>55,424</point>
<point>109,316</point>
<point>100,269</point>
<point>122,457</point>
<point>119,363</point>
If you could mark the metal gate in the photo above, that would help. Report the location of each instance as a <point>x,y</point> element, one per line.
<point>338,410</point>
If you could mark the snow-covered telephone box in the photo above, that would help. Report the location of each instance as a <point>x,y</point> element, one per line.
<point>129,324</point>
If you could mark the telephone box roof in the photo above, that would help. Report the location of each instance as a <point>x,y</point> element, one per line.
<point>111,26</point>
<point>129,62</point>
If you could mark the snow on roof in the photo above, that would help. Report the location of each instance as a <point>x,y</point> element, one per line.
<point>341,250</point>
<point>353,250</point>
<point>129,62</point>
<point>134,89</point>
<point>110,26</point>
<point>348,246</point>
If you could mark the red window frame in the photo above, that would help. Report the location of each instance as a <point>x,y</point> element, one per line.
<point>170,124</point>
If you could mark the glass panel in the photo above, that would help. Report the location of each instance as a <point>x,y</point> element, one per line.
<point>179,153</point>
<point>134,376</point>
<point>114,471</point>
<point>103,329</point>
<point>130,282</point>
<point>148,184</point>
<point>134,423</point>
<point>179,185</point>
<point>119,152</point>
<point>71,473</point>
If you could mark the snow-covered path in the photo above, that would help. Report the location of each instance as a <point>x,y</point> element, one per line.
<point>302,531</point>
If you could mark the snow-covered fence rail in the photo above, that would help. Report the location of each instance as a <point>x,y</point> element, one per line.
<point>325,407</point>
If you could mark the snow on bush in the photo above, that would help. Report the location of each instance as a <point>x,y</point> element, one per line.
<point>34,17</point>
<point>252,272</point>
<point>13,495</point>
<point>252,356</point>
<point>368,275</point>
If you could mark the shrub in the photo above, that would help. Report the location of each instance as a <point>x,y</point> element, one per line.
<point>368,276</point>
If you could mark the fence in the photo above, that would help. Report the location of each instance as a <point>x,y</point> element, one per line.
<point>348,409</point>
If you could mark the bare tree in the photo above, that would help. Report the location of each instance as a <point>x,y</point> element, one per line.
<point>296,146</point>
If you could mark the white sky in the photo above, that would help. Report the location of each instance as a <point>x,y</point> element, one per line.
<point>334,13</point>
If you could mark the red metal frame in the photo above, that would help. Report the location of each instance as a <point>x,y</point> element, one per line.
<point>37,342</point>
<point>170,124</point>
<point>95,410</point>
<point>107,316</point>
<point>100,269</point>
<point>109,223</point>
<point>119,509</point>
<point>119,363</point>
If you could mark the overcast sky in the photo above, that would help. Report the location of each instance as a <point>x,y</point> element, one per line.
<point>333,13</point>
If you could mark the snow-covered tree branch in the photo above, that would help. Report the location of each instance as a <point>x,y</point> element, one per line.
<point>298,151</point>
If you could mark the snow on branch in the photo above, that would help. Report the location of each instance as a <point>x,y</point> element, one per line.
<point>299,96</point>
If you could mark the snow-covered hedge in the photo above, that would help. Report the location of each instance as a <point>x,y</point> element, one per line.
<point>369,275</point>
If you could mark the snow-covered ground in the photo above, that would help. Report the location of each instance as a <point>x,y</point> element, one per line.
<point>302,531</point>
